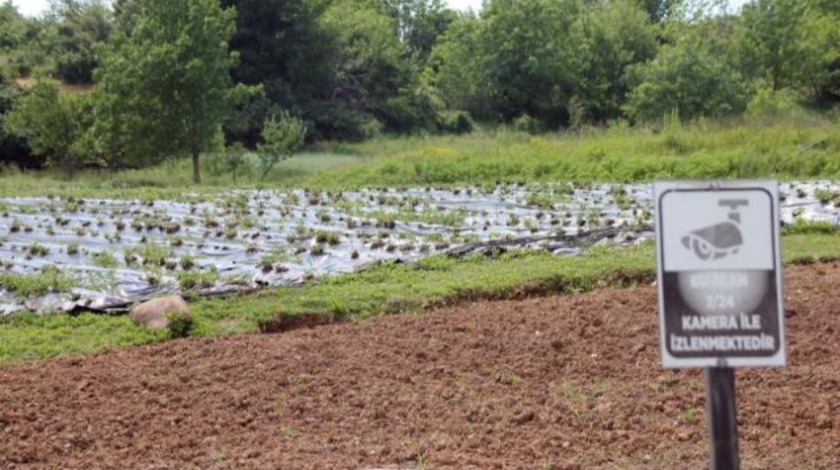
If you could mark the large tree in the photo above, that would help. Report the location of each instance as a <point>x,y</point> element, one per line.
<point>418,23</point>
<point>164,86</point>
<point>771,33</point>
<point>283,47</point>
<point>617,35</point>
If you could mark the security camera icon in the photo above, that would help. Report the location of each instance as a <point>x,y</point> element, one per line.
<point>721,239</point>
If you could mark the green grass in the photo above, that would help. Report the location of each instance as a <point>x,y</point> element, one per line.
<point>193,279</point>
<point>803,147</point>
<point>792,148</point>
<point>28,337</point>
<point>385,289</point>
<point>170,180</point>
<point>789,148</point>
<point>49,280</point>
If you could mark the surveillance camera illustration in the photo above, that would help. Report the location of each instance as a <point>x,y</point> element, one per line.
<point>721,239</point>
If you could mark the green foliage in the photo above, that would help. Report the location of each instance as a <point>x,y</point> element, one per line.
<point>283,45</point>
<point>657,10</point>
<point>13,147</point>
<point>726,149</point>
<point>193,279</point>
<point>385,289</point>
<point>689,77</point>
<point>104,259</point>
<point>461,78</point>
<point>54,123</point>
<point>802,227</point>
<point>533,62</point>
<point>617,34</point>
<point>179,326</point>
<point>30,337</point>
<point>770,41</point>
<point>526,123</point>
<point>61,44</point>
<point>231,159</point>
<point>455,122</point>
<point>418,24</point>
<point>562,62</point>
<point>353,69</point>
<point>50,279</point>
<point>369,65</point>
<point>12,30</point>
<point>791,147</point>
<point>281,138</point>
<point>767,102</point>
<point>81,26</point>
<point>166,87</point>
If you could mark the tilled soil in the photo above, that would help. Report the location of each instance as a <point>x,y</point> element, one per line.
<point>560,382</point>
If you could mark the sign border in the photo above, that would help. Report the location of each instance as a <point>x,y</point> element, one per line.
<point>660,189</point>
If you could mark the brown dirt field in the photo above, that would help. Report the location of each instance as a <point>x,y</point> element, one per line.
<point>560,382</point>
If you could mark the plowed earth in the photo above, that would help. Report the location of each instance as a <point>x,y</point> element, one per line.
<point>560,382</point>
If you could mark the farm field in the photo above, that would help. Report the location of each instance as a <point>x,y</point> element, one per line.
<point>102,255</point>
<point>562,382</point>
<point>530,335</point>
<point>416,235</point>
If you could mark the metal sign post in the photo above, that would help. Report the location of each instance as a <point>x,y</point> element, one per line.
<point>722,418</point>
<point>720,290</point>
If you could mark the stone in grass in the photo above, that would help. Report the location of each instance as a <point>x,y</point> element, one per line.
<point>152,313</point>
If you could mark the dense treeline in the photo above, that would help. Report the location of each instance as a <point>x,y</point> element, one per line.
<point>162,78</point>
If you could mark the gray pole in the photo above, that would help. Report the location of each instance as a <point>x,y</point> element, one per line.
<point>723,418</point>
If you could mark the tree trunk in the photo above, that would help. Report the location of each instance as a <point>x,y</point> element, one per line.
<point>68,166</point>
<point>196,168</point>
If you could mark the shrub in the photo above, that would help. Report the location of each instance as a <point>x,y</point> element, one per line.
<point>526,123</point>
<point>455,122</point>
<point>179,326</point>
<point>282,136</point>
<point>769,103</point>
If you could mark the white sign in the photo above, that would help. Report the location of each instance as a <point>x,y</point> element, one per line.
<point>719,274</point>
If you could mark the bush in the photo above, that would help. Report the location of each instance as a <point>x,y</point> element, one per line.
<point>769,103</point>
<point>803,227</point>
<point>281,136</point>
<point>338,121</point>
<point>179,326</point>
<point>688,76</point>
<point>455,122</point>
<point>13,147</point>
<point>526,123</point>
<point>51,279</point>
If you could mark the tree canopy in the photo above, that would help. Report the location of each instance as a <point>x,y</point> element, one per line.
<point>165,74</point>
<point>166,85</point>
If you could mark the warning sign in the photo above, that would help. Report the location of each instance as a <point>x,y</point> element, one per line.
<point>719,274</point>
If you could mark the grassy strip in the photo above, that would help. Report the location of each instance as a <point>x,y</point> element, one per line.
<point>171,180</point>
<point>385,289</point>
<point>784,149</point>
<point>787,148</point>
<point>50,280</point>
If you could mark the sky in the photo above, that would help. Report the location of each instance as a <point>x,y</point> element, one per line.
<point>30,7</point>
<point>36,7</point>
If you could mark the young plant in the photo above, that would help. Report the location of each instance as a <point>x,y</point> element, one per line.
<point>281,138</point>
<point>105,259</point>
